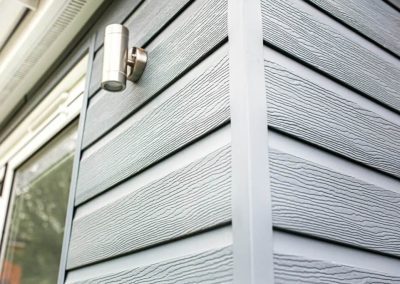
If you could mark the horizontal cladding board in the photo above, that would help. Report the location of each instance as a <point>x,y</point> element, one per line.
<point>394,3</point>
<point>185,201</point>
<point>313,199</point>
<point>304,32</point>
<point>209,240</point>
<point>214,266</point>
<point>195,151</point>
<point>189,109</point>
<point>374,19</point>
<point>305,109</point>
<point>199,30</point>
<point>149,18</point>
<point>295,269</point>
<point>307,197</point>
<point>287,243</point>
<point>115,13</point>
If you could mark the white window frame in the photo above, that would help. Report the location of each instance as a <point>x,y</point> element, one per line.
<point>58,110</point>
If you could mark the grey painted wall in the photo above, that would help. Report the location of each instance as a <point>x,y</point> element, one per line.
<point>153,194</point>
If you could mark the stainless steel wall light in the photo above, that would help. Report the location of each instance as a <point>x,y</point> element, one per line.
<point>119,62</point>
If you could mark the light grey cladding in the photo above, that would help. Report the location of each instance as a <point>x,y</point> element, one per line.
<point>326,117</point>
<point>337,97</point>
<point>210,267</point>
<point>186,111</point>
<point>188,200</point>
<point>332,88</point>
<point>290,269</point>
<point>145,136</point>
<point>116,13</point>
<point>325,201</point>
<point>394,3</point>
<point>195,33</point>
<point>215,266</point>
<point>145,23</point>
<point>307,34</point>
<point>374,19</point>
<point>312,199</point>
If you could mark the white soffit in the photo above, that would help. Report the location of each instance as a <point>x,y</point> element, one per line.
<point>36,45</point>
<point>11,13</point>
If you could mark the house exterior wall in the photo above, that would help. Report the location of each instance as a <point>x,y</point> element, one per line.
<point>154,172</point>
<point>332,75</point>
<point>152,199</point>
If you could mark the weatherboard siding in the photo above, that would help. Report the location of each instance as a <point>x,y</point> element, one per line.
<point>155,158</point>
<point>155,172</point>
<point>332,77</point>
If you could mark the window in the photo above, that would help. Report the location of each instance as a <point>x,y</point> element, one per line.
<point>3,171</point>
<point>41,188</point>
<point>39,157</point>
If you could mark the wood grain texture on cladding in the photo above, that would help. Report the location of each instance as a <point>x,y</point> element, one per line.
<point>374,19</point>
<point>185,201</point>
<point>145,22</point>
<point>314,200</point>
<point>306,110</point>
<point>204,27</point>
<point>209,267</point>
<point>301,34</point>
<point>191,111</point>
<point>291,269</point>
<point>115,13</point>
<point>307,198</point>
<point>216,266</point>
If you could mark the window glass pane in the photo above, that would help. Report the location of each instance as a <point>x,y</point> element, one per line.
<point>2,177</point>
<point>40,196</point>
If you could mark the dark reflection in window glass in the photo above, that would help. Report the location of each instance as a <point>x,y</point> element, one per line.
<point>2,178</point>
<point>36,224</point>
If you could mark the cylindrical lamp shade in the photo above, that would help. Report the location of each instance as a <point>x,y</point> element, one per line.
<point>115,58</point>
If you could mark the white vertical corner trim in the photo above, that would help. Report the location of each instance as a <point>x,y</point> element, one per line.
<point>251,196</point>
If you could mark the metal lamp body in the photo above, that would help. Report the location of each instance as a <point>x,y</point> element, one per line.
<point>115,58</point>
<point>119,62</point>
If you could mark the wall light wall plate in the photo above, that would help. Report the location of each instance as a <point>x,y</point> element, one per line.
<point>119,62</point>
